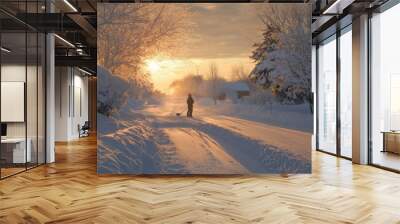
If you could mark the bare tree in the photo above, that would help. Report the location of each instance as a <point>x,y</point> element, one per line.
<point>238,73</point>
<point>214,79</point>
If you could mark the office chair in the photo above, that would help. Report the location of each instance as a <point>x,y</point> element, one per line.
<point>84,130</point>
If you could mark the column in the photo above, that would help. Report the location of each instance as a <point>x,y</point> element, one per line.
<point>360,90</point>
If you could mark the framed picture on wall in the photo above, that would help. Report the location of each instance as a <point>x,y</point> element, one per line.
<point>204,88</point>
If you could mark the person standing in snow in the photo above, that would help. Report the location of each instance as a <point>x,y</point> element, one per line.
<point>190,103</point>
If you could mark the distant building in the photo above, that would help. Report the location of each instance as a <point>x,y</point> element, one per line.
<point>234,91</point>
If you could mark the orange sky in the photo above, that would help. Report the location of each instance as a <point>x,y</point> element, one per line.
<point>223,34</point>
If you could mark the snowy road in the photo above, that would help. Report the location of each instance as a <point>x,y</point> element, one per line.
<point>199,153</point>
<point>296,142</point>
<point>209,143</point>
<point>213,143</point>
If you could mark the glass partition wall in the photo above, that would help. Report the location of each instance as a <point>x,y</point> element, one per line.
<point>22,106</point>
<point>385,89</point>
<point>334,94</point>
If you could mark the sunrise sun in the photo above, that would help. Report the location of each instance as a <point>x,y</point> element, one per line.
<point>153,66</point>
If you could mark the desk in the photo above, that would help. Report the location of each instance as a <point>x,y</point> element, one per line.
<point>13,150</point>
<point>391,141</point>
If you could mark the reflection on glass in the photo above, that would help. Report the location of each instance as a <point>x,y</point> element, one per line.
<point>327,96</point>
<point>346,94</point>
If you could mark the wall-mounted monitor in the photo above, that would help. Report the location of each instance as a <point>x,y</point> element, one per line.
<point>12,101</point>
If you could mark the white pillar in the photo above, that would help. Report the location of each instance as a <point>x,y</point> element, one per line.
<point>50,92</point>
<point>360,90</point>
<point>50,99</point>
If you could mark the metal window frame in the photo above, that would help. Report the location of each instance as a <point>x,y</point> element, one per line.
<point>339,32</point>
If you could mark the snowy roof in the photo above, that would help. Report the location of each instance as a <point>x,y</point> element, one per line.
<point>237,86</point>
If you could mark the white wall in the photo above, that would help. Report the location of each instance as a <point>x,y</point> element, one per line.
<point>62,81</point>
<point>79,110</point>
<point>13,73</point>
<point>71,94</point>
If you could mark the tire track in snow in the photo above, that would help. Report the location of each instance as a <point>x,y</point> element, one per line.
<point>201,154</point>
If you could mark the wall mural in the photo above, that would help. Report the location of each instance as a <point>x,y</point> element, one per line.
<point>204,88</point>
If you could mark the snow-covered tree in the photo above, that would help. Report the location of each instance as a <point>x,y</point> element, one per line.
<point>283,57</point>
<point>262,55</point>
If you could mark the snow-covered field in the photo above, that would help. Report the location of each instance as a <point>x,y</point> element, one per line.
<point>225,138</point>
<point>296,117</point>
